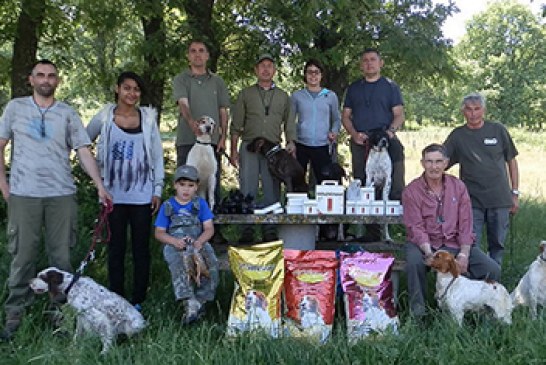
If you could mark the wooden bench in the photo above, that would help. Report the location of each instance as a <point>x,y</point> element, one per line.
<point>396,249</point>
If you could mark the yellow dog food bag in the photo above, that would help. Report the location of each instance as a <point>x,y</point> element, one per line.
<point>256,301</point>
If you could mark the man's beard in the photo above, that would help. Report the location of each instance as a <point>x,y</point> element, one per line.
<point>45,90</point>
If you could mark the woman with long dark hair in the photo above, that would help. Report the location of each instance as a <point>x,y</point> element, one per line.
<point>130,155</point>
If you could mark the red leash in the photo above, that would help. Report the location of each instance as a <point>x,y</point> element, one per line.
<point>101,233</point>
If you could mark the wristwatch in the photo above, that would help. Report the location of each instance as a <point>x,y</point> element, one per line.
<point>515,192</point>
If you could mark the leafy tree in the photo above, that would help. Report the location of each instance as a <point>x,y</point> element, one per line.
<point>503,55</point>
<point>25,45</point>
<point>336,31</point>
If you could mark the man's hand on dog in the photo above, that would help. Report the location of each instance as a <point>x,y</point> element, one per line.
<point>194,125</point>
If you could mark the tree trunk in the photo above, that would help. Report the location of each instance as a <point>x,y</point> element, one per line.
<point>154,54</point>
<point>199,13</point>
<point>25,45</point>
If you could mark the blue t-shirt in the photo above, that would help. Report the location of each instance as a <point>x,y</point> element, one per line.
<point>162,221</point>
<point>371,103</point>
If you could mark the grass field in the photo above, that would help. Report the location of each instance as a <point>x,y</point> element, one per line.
<point>481,341</point>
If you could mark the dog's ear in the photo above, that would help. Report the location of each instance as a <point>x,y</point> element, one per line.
<point>53,279</point>
<point>452,264</point>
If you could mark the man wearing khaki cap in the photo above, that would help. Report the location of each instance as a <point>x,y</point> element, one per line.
<point>262,110</point>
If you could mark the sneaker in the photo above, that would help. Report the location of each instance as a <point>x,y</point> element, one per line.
<point>191,314</point>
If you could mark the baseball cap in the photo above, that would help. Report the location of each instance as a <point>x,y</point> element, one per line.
<point>186,172</point>
<point>265,56</point>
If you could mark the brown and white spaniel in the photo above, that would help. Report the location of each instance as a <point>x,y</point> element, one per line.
<point>458,294</point>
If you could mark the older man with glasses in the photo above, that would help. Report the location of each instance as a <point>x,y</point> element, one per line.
<point>438,216</point>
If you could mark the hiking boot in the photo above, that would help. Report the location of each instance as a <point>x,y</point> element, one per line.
<point>192,311</point>
<point>13,321</point>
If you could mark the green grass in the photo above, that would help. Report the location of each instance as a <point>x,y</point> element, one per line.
<point>481,340</point>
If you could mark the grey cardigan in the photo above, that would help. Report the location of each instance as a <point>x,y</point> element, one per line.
<point>101,125</point>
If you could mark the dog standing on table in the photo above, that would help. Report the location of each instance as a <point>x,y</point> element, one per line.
<point>379,167</point>
<point>281,164</point>
<point>531,290</point>
<point>98,309</point>
<point>203,158</point>
<point>458,294</point>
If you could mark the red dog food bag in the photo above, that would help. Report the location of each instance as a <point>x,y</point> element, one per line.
<point>309,293</point>
<point>256,301</point>
<point>368,295</point>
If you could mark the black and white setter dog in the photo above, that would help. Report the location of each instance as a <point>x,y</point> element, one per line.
<point>379,167</point>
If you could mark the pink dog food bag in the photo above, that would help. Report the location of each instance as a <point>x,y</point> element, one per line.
<point>368,296</point>
<point>310,290</point>
<point>256,301</point>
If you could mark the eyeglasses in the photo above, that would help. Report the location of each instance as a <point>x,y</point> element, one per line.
<point>313,72</point>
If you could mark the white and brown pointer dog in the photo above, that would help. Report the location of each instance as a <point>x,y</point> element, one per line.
<point>379,168</point>
<point>457,294</point>
<point>203,158</point>
<point>99,310</point>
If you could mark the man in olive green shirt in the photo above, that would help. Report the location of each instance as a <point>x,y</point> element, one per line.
<point>262,110</point>
<point>199,92</point>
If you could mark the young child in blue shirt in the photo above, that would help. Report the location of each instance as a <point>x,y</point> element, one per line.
<point>185,220</point>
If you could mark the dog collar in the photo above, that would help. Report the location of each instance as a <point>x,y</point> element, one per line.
<point>203,143</point>
<point>272,151</point>
<point>542,258</point>
<point>75,278</point>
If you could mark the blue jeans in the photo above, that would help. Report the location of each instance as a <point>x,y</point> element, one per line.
<point>496,220</point>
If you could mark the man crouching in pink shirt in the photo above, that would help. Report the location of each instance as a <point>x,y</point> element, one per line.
<point>438,215</point>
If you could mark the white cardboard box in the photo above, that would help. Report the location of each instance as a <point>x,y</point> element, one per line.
<point>310,207</point>
<point>351,207</point>
<point>364,209</point>
<point>393,208</point>
<point>330,197</point>
<point>367,194</point>
<point>377,207</point>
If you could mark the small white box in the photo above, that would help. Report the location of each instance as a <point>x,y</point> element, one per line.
<point>364,209</point>
<point>367,194</point>
<point>310,207</point>
<point>330,197</point>
<point>351,207</point>
<point>393,207</point>
<point>377,207</point>
<point>294,209</point>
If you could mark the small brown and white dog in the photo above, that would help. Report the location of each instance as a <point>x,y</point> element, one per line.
<point>203,158</point>
<point>457,294</point>
<point>310,312</point>
<point>531,290</point>
<point>99,310</point>
<point>256,311</point>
